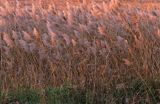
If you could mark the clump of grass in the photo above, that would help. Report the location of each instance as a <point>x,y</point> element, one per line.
<point>82,96</point>
<point>137,91</point>
<point>1,96</point>
<point>60,95</point>
<point>22,96</point>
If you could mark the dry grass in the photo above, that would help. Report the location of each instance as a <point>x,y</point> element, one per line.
<point>90,45</point>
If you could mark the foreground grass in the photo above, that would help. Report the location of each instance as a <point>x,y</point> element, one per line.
<point>139,92</point>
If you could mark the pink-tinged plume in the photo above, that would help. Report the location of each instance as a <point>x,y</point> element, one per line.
<point>67,39</point>
<point>36,34</point>
<point>46,40</point>
<point>53,38</point>
<point>8,40</point>
<point>74,43</point>
<point>26,36</point>
<point>15,35</point>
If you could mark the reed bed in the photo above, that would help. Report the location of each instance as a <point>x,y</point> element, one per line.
<point>95,46</point>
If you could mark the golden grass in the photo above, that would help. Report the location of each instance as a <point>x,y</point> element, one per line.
<point>88,46</point>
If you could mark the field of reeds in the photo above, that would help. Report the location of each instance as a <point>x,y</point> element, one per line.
<point>80,52</point>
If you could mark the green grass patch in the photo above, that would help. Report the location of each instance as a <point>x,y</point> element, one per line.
<point>24,96</point>
<point>67,95</point>
<point>138,91</point>
<point>59,95</point>
<point>82,97</point>
<point>1,96</point>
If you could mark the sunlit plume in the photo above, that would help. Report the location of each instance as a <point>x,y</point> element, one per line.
<point>84,2</point>
<point>102,30</point>
<point>3,11</point>
<point>49,27</point>
<point>36,34</point>
<point>114,4</point>
<point>70,18</point>
<point>18,10</point>
<point>33,10</point>
<point>74,42</point>
<point>17,3</point>
<point>53,37</point>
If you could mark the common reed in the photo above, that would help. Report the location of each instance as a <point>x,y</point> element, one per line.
<point>95,46</point>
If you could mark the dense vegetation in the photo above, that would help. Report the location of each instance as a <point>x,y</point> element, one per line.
<point>82,53</point>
